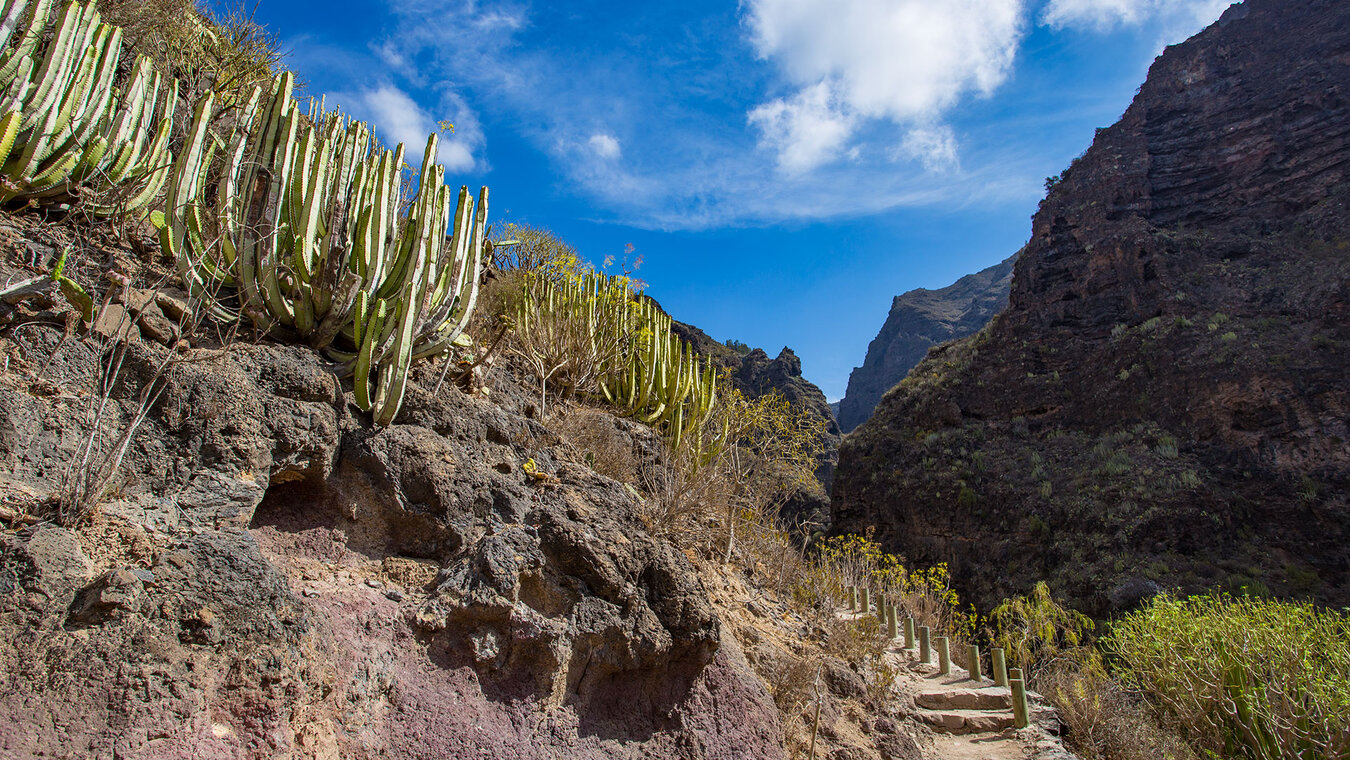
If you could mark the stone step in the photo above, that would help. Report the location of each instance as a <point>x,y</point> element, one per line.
<point>992,698</point>
<point>965,721</point>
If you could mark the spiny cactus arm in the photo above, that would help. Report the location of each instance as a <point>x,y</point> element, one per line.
<point>275,227</point>
<point>394,370</point>
<point>17,89</point>
<point>89,119</point>
<point>156,164</point>
<point>363,361</point>
<point>452,275</point>
<point>120,128</point>
<point>307,202</point>
<point>52,76</point>
<point>9,129</point>
<point>9,21</point>
<point>78,297</point>
<point>230,206</point>
<point>474,265</point>
<point>72,97</point>
<point>181,197</point>
<point>34,21</point>
<point>142,114</point>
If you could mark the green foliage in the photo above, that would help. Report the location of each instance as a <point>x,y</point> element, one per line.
<point>1034,628</point>
<point>925,594</point>
<point>224,52</point>
<point>70,123</point>
<point>1243,677</point>
<point>532,249</point>
<point>572,326</point>
<point>298,216</point>
<point>739,347</point>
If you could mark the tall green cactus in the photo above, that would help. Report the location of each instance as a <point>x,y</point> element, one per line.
<point>661,383</point>
<point>63,122</point>
<point>306,231</point>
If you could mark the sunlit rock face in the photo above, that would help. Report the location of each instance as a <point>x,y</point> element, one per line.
<point>1164,401</point>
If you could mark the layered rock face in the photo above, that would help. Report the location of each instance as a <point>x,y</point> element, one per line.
<point>919,320</point>
<point>1164,402</point>
<point>276,578</point>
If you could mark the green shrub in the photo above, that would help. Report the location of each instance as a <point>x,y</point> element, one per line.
<point>1032,629</point>
<point>1242,676</point>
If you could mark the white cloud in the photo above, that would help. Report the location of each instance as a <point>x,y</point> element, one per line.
<point>604,146</point>
<point>904,61</point>
<point>397,118</point>
<point>806,130</point>
<point>1179,18</point>
<point>934,147</point>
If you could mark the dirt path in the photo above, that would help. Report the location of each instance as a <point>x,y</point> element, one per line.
<point>971,719</point>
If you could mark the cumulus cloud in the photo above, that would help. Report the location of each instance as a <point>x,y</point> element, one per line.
<point>1180,18</point>
<point>604,146</point>
<point>397,118</point>
<point>806,130</point>
<point>904,61</point>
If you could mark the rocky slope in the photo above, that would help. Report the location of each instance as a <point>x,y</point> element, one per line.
<point>1165,400</point>
<point>919,320</point>
<point>274,577</point>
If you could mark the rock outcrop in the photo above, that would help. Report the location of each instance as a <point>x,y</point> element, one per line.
<point>1164,402</point>
<point>919,320</point>
<point>276,578</point>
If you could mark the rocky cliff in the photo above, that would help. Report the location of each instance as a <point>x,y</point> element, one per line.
<point>273,576</point>
<point>1164,402</point>
<point>919,320</point>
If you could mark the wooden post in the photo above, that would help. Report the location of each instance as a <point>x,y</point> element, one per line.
<point>890,621</point>
<point>973,662</point>
<point>944,656</point>
<point>925,650</point>
<point>864,603</point>
<point>909,633</point>
<point>1000,667</point>
<point>1021,717</point>
<point>852,598</point>
<point>881,607</point>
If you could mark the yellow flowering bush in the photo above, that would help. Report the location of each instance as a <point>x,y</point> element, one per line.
<point>925,594</point>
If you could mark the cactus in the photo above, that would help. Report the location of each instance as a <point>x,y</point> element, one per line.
<point>661,383</point>
<point>305,230</point>
<point>64,125</point>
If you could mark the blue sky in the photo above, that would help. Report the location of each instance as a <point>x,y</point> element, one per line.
<point>783,167</point>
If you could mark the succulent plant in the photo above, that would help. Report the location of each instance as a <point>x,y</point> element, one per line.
<point>305,235</point>
<point>66,121</point>
<point>660,382</point>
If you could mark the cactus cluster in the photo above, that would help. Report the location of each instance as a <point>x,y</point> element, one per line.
<point>63,122</point>
<point>291,218</point>
<point>297,213</point>
<point>660,382</point>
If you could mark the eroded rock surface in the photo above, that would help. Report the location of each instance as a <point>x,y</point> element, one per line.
<point>276,578</point>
